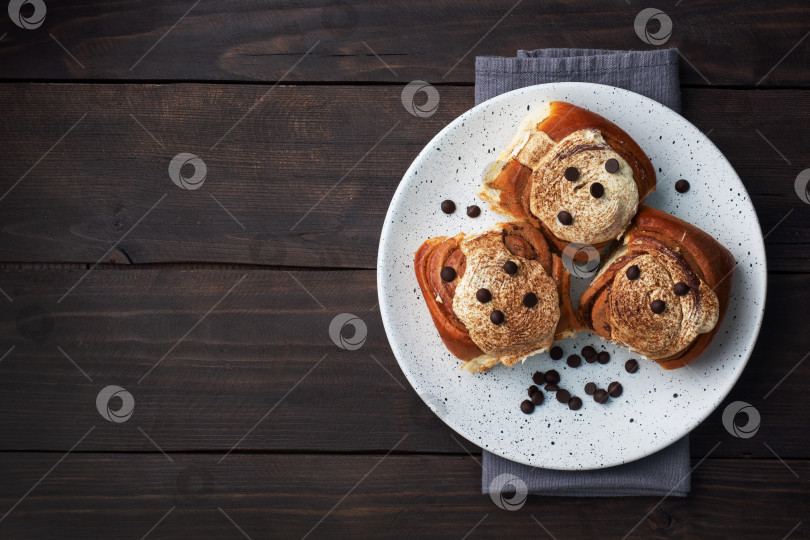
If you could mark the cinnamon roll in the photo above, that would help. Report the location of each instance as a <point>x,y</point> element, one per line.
<point>572,173</point>
<point>499,296</point>
<point>663,292</point>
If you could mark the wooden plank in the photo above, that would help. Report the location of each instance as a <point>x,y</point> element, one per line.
<point>242,375</point>
<point>386,41</point>
<point>309,172</point>
<point>289,496</point>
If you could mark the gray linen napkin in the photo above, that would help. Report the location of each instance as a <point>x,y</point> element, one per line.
<point>650,73</point>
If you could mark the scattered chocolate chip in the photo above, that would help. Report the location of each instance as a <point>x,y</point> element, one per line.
<point>565,218</point>
<point>538,377</point>
<point>603,357</point>
<point>615,389</point>
<point>530,300</point>
<point>563,395</point>
<point>588,352</point>
<point>612,165</point>
<point>682,186</point>
<point>483,295</point>
<point>574,361</point>
<point>496,317</point>
<point>510,267</point>
<point>473,211</point>
<point>533,390</point>
<point>571,174</point>
<point>631,366</point>
<point>658,306</point>
<point>551,388</point>
<point>555,353</point>
<point>633,272</point>
<point>600,396</point>
<point>527,406</point>
<point>448,206</point>
<point>538,398</point>
<point>590,388</point>
<point>681,288</point>
<point>575,403</point>
<point>597,190</point>
<point>552,377</point>
<point>448,274</point>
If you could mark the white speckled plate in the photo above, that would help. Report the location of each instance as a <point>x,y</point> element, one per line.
<point>657,407</point>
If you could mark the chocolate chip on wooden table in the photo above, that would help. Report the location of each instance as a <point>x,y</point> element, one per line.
<point>615,389</point>
<point>530,300</point>
<point>597,190</point>
<point>483,295</point>
<point>563,395</point>
<point>589,352</point>
<point>538,377</point>
<point>603,357</point>
<point>552,377</point>
<point>473,211</point>
<point>571,174</point>
<point>574,361</point>
<point>448,206</point>
<point>575,403</point>
<point>631,366</point>
<point>633,272</point>
<point>681,288</point>
<point>658,306</point>
<point>682,186</point>
<point>590,388</point>
<point>496,317</point>
<point>527,406</point>
<point>538,397</point>
<point>555,353</point>
<point>448,274</point>
<point>565,218</point>
<point>510,267</point>
<point>600,396</point>
<point>612,165</point>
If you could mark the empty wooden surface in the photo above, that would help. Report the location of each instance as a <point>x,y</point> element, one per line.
<point>212,306</point>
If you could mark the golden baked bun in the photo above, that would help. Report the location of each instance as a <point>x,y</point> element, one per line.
<point>663,292</point>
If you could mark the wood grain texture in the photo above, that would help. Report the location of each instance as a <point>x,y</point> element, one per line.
<point>304,179</point>
<point>390,41</point>
<point>242,375</point>
<point>287,496</point>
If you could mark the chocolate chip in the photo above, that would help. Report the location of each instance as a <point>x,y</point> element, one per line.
<point>575,403</point>
<point>600,396</point>
<point>590,388</point>
<point>563,395</point>
<point>551,388</point>
<point>538,377</point>
<point>597,190</point>
<point>448,206</point>
<point>552,377</point>
<point>588,352</point>
<point>615,389</point>
<point>603,357</point>
<point>483,295</point>
<point>530,300</point>
<point>681,288</point>
<point>565,218</point>
<point>473,211</point>
<point>448,274</point>
<point>496,317</point>
<point>682,186</point>
<point>527,406</point>
<point>633,272</point>
<point>574,361</point>
<point>612,165</point>
<point>571,174</point>
<point>510,267</point>
<point>538,398</point>
<point>631,366</point>
<point>658,306</point>
<point>533,390</point>
<point>555,353</point>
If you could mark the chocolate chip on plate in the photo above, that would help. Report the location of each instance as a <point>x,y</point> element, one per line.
<point>574,361</point>
<point>510,267</point>
<point>527,406</point>
<point>538,377</point>
<point>496,317</point>
<point>681,288</point>
<point>483,295</point>
<point>448,206</point>
<point>603,357</point>
<point>473,211</point>
<point>682,186</point>
<point>612,165</point>
<point>533,390</point>
<point>633,272</point>
<point>590,388</point>
<point>538,398</point>
<point>565,218</point>
<point>589,352</point>
<point>631,366</point>
<point>551,388</point>
<point>530,300</point>
<point>658,306</point>
<point>571,174</point>
<point>555,353</point>
<point>575,403</point>
<point>552,377</point>
<point>597,190</point>
<point>448,274</point>
<point>600,396</point>
<point>615,389</point>
<point>563,395</point>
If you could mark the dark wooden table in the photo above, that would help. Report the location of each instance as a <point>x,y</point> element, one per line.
<point>211,307</point>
